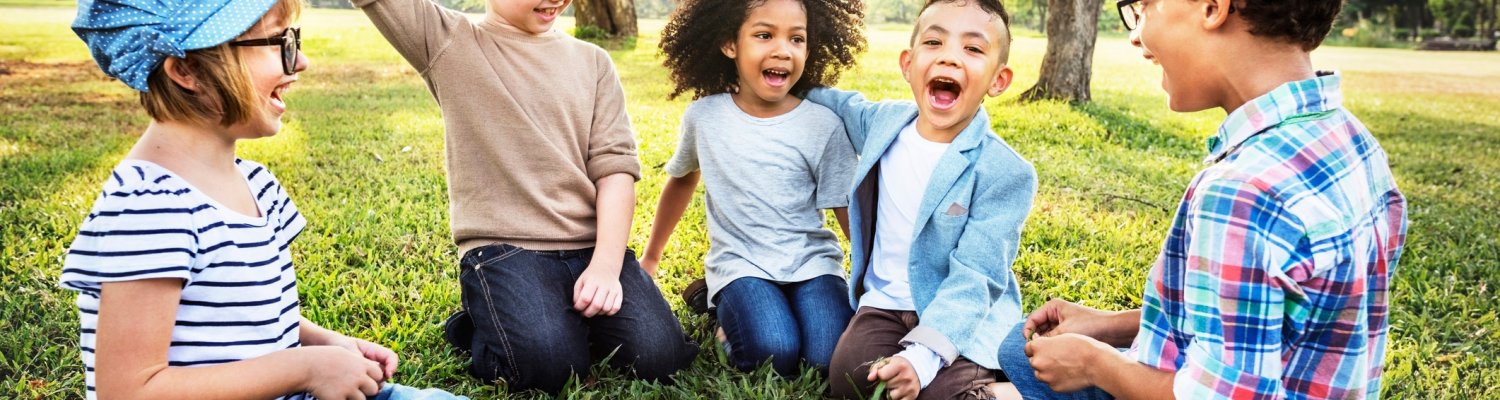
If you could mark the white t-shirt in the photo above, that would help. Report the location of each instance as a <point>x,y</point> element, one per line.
<point>905,169</point>
<point>239,293</point>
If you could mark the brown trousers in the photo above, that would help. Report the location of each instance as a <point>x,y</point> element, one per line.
<point>876,333</point>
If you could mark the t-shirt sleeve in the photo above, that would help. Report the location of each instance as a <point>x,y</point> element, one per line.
<point>685,160</point>
<point>611,140</point>
<point>419,29</point>
<point>835,170</point>
<point>136,230</point>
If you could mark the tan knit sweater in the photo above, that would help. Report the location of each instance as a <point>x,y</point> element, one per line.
<point>531,122</point>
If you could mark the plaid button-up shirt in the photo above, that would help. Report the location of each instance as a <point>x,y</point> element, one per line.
<point>1273,281</point>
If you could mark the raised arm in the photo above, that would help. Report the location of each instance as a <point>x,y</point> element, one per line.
<point>851,107</point>
<point>419,29</point>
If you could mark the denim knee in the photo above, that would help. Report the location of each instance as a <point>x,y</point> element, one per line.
<point>546,369</point>
<point>782,350</point>
<point>645,336</point>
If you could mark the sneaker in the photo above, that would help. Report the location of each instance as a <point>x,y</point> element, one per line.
<point>458,331</point>
<point>695,295</point>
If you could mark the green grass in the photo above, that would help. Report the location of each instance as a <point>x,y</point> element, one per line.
<point>362,153</point>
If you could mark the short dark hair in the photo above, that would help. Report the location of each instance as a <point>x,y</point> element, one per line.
<point>692,39</point>
<point>1302,22</point>
<point>992,7</point>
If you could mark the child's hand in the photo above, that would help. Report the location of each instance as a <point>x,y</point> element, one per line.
<point>1064,361</point>
<point>370,351</point>
<point>899,376</point>
<point>1058,317</point>
<point>337,373</point>
<point>598,291</point>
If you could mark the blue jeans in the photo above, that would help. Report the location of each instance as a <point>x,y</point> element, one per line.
<point>393,391</point>
<point>784,323</point>
<point>1017,367</point>
<point>527,333</point>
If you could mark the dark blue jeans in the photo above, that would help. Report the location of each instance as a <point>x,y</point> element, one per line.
<point>527,333</point>
<point>1017,367</point>
<point>783,323</point>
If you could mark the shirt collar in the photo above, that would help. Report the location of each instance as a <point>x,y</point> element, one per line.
<point>1316,95</point>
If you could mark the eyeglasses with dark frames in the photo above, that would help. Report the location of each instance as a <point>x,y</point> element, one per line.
<point>290,41</point>
<point>1130,13</point>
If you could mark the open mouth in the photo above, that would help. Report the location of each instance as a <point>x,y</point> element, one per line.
<point>942,93</point>
<point>776,77</point>
<point>276,96</point>
<point>548,13</point>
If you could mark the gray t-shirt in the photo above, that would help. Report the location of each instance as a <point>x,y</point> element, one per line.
<point>767,180</point>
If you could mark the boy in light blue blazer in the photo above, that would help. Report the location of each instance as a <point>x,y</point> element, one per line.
<point>936,215</point>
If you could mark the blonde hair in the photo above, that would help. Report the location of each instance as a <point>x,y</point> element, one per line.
<point>225,94</point>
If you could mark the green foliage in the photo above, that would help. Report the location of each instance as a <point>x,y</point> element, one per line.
<point>892,11</point>
<point>589,32</point>
<point>362,153</point>
<point>654,9</point>
<point>1366,33</point>
<point>1456,18</point>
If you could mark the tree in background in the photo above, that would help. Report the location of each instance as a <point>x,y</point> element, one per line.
<point>1029,14</point>
<point>1465,18</point>
<point>612,18</point>
<point>1072,27</point>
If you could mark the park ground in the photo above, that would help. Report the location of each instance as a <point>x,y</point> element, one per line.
<point>362,154</point>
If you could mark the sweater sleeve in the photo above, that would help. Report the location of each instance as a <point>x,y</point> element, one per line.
<point>611,140</point>
<point>419,29</point>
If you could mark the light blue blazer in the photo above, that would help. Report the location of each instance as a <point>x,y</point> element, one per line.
<point>968,229</point>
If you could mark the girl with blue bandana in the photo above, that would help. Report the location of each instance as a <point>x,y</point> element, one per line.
<point>184,279</point>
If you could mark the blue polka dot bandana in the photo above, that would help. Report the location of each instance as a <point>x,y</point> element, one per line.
<point>129,38</point>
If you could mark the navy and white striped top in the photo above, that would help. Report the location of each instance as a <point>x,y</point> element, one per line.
<point>239,294</point>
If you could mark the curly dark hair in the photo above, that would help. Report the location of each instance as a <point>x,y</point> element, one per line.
<point>699,28</point>
<point>1301,22</point>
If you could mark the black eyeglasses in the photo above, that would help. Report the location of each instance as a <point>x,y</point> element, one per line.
<point>1130,13</point>
<point>290,41</point>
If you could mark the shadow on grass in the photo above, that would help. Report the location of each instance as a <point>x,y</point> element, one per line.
<point>65,127</point>
<point>68,134</point>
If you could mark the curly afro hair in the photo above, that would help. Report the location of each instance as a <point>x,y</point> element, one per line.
<point>699,28</point>
<point>1301,22</point>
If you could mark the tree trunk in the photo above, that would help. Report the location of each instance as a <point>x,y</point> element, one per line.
<point>1072,27</point>
<point>615,18</point>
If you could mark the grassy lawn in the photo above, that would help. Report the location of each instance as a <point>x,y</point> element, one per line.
<point>362,154</point>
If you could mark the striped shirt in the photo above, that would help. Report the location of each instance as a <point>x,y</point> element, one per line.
<point>1273,282</point>
<point>239,294</point>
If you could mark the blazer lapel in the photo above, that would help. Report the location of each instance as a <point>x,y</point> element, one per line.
<point>952,166</point>
<point>879,141</point>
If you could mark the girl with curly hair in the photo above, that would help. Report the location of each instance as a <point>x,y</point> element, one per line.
<point>770,163</point>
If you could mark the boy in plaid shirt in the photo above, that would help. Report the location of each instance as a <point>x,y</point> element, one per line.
<point>1273,281</point>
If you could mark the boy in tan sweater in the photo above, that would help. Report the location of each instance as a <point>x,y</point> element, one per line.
<point>541,184</point>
